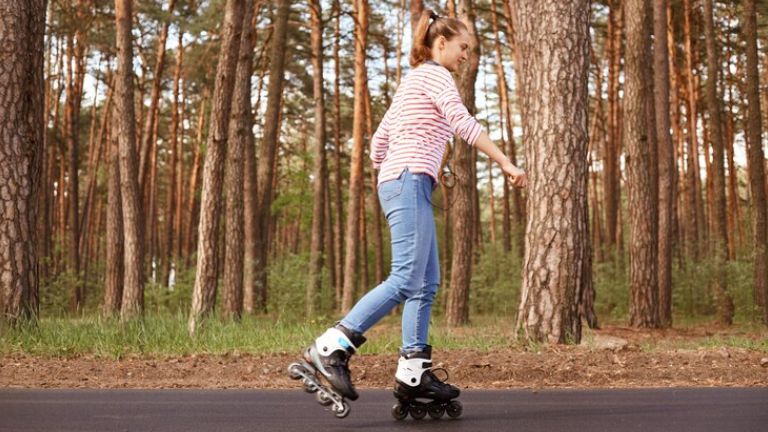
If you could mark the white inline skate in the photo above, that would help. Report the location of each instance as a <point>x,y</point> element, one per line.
<point>419,392</point>
<point>328,357</point>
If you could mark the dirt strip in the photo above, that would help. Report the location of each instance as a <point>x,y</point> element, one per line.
<point>551,367</point>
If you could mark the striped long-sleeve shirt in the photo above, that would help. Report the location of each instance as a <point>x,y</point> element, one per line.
<point>425,113</point>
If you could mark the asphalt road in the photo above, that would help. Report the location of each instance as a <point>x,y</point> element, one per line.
<point>646,410</point>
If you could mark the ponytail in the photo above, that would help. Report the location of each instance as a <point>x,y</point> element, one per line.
<point>429,27</point>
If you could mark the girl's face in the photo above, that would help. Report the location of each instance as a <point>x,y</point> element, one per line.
<point>451,53</point>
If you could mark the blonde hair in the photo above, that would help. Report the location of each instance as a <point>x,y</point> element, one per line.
<point>426,32</point>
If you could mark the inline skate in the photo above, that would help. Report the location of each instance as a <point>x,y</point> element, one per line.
<point>328,357</point>
<point>419,392</point>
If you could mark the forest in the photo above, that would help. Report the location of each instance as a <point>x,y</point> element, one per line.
<point>208,160</point>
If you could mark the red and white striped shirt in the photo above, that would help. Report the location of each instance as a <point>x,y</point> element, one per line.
<point>425,113</point>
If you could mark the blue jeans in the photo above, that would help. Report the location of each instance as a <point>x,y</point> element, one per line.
<point>415,274</point>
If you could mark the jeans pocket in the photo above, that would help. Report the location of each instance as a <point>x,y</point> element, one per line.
<point>391,188</point>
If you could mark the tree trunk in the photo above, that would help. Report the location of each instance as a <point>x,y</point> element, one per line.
<point>554,113</point>
<point>756,160</point>
<point>249,185</point>
<point>677,145</point>
<point>21,153</point>
<point>329,241</point>
<point>193,205</point>
<point>320,169</point>
<point>378,235</point>
<point>339,220</point>
<point>114,274</point>
<point>268,151</point>
<point>511,151</point>
<point>720,234</point>
<point>356,169</point>
<point>643,260</point>
<point>240,136</point>
<point>133,285</point>
<point>76,54</point>
<point>95,146</point>
<point>154,99</point>
<point>171,199</point>
<point>204,294</point>
<point>666,159</point>
<point>362,249</point>
<point>457,307</point>
<point>612,179</point>
<point>45,198</point>
<point>693,203</point>
<point>178,222</point>
<point>399,45</point>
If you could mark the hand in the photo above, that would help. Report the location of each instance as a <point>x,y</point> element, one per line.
<point>517,175</point>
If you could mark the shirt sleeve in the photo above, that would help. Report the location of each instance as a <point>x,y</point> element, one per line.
<point>380,142</point>
<point>449,104</point>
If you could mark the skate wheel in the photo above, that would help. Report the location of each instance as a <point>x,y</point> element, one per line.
<point>436,411</point>
<point>309,386</point>
<point>294,371</point>
<point>454,409</point>
<point>399,411</point>
<point>343,411</point>
<point>417,412</point>
<point>323,399</point>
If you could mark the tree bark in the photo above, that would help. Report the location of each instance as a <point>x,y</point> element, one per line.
<point>720,235</point>
<point>678,140</point>
<point>204,294</point>
<point>133,284</point>
<point>320,169</point>
<point>756,160</point>
<point>76,55</point>
<point>268,151</point>
<point>643,260</point>
<point>249,184</point>
<point>554,113</point>
<point>193,206</point>
<point>695,226</point>
<point>21,153</point>
<point>240,136</point>
<point>612,151</point>
<point>399,45</point>
<point>114,273</point>
<point>154,99</point>
<point>339,220</point>
<point>361,13</point>
<point>462,196</point>
<point>171,199</point>
<point>378,235</point>
<point>667,179</point>
<point>510,150</point>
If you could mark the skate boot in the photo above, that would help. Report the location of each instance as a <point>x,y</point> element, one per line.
<point>329,357</point>
<point>419,392</point>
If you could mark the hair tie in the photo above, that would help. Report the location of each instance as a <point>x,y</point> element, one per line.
<point>434,16</point>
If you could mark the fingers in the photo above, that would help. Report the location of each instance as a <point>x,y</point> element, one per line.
<point>519,181</point>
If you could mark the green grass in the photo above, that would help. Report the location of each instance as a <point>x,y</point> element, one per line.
<point>166,336</point>
<point>494,298</point>
<point>163,335</point>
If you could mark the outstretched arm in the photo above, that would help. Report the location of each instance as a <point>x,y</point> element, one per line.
<point>517,175</point>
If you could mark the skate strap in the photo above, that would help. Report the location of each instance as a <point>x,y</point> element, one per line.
<point>443,370</point>
<point>334,340</point>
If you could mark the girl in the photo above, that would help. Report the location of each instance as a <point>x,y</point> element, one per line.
<point>407,148</point>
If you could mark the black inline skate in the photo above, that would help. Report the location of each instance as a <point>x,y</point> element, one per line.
<point>329,357</point>
<point>419,392</point>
